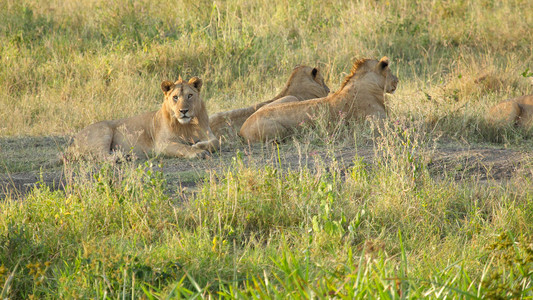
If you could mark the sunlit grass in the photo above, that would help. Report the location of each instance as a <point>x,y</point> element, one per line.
<point>381,229</point>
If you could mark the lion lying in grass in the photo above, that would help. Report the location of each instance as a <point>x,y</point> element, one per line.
<point>361,95</point>
<point>180,128</point>
<point>303,84</point>
<point>516,111</point>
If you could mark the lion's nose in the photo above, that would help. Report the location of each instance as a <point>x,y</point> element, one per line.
<point>183,111</point>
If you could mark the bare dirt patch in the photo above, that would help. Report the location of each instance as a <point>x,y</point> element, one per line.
<point>24,162</point>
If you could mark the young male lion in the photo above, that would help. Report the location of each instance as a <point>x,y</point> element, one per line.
<point>180,128</point>
<point>517,111</point>
<point>361,95</point>
<point>303,84</point>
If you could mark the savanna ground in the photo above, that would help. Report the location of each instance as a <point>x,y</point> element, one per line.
<point>437,203</point>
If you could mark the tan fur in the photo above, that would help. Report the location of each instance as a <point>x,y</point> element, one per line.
<point>517,111</point>
<point>361,95</point>
<point>180,128</point>
<point>304,83</point>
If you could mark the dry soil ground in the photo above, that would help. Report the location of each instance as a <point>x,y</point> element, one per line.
<point>24,162</point>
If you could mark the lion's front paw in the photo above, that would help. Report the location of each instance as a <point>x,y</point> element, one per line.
<point>201,145</point>
<point>203,154</point>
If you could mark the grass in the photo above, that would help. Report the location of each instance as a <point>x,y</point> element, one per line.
<point>69,64</point>
<point>384,230</point>
<point>389,228</point>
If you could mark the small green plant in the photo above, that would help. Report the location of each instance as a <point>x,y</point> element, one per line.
<point>527,73</point>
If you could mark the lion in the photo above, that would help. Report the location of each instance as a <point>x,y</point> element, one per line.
<point>516,111</point>
<point>304,83</point>
<point>180,128</point>
<point>360,96</point>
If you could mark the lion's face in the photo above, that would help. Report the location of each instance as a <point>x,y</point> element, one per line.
<point>391,82</point>
<point>386,79</point>
<point>183,98</point>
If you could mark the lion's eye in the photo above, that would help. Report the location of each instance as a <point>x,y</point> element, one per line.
<point>175,98</point>
<point>189,96</point>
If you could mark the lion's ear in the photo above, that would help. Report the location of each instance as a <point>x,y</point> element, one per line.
<point>196,82</point>
<point>166,86</point>
<point>314,72</point>
<point>383,63</point>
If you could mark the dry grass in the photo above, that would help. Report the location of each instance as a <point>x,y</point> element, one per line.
<point>68,64</point>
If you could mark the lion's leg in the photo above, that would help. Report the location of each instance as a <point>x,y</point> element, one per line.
<point>507,112</point>
<point>212,144</point>
<point>276,133</point>
<point>181,150</point>
<point>221,122</point>
<point>257,130</point>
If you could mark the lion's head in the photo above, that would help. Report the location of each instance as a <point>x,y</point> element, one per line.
<point>182,99</point>
<point>376,72</point>
<point>389,81</point>
<point>306,83</point>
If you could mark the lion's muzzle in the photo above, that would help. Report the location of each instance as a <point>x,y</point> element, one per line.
<point>392,86</point>
<point>184,117</point>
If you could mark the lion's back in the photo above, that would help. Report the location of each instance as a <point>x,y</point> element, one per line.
<point>512,111</point>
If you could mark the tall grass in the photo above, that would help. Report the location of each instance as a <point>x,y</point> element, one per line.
<point>383,230</point>
<point>67,64</point>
